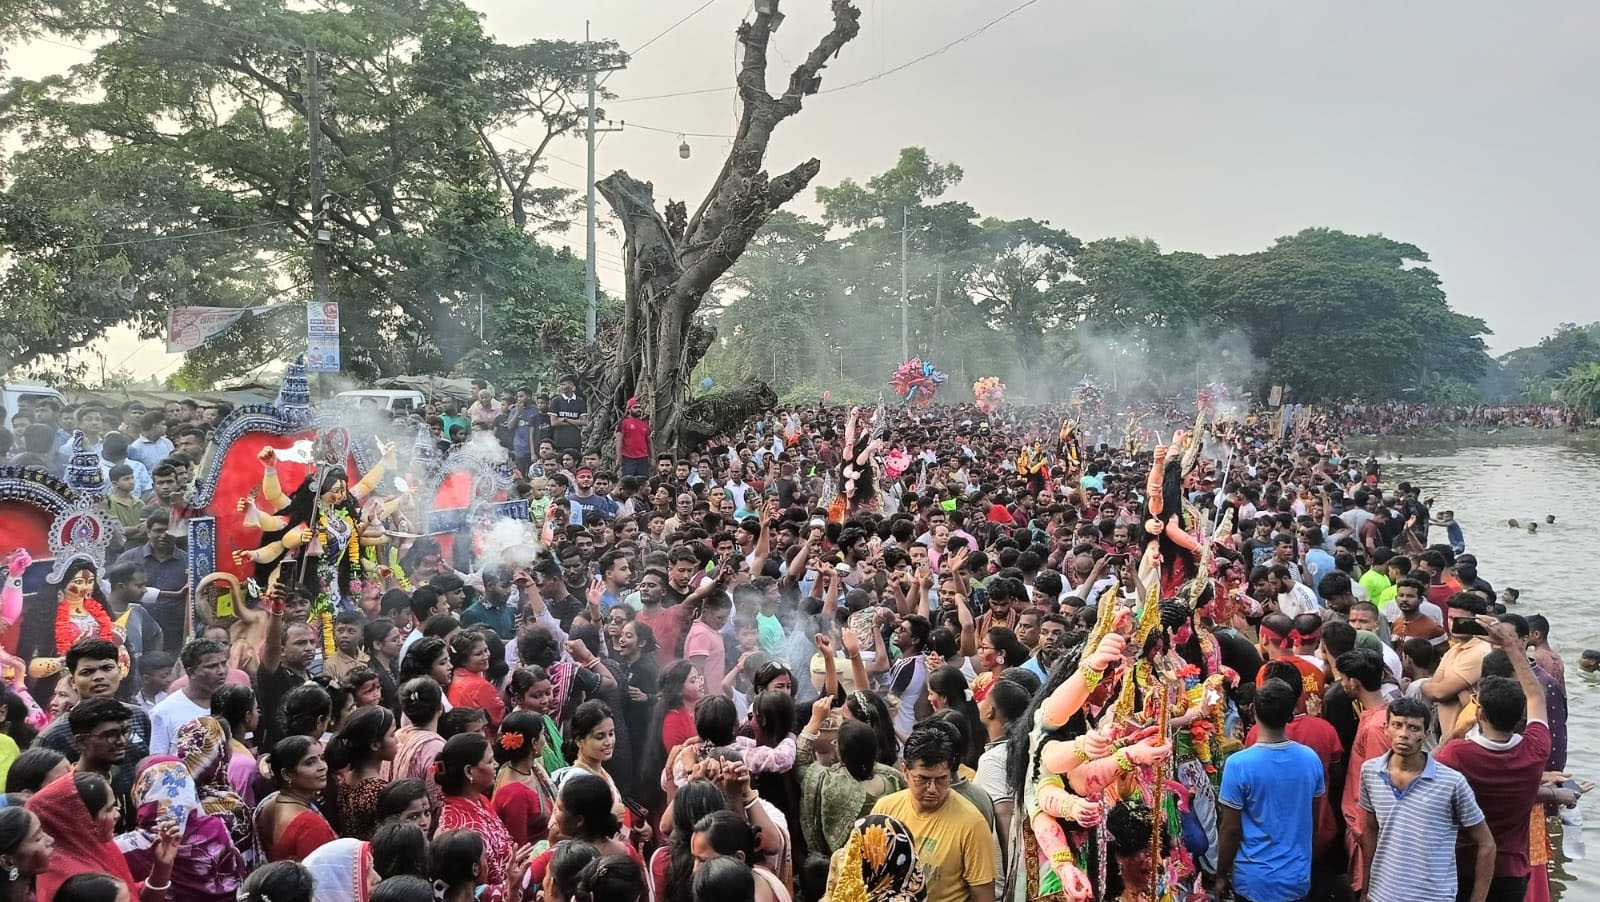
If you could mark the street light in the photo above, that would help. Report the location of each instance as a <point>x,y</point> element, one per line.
<point>683,149</point>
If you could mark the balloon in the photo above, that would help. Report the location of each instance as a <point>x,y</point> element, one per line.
<point>707,382</point>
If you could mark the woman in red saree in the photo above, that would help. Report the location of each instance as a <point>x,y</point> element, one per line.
<point>79,812</point>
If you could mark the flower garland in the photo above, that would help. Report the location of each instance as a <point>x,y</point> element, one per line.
<point>65,629</point>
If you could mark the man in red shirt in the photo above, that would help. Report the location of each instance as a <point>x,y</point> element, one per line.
<point>633,443</point>
<point>1319,736</point>
<point>1360,674</point>
<point>1503,767</point>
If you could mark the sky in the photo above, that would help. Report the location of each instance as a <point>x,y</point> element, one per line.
<point>1464,128</point>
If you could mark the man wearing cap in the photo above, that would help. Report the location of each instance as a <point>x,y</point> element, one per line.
<point>569,414</point>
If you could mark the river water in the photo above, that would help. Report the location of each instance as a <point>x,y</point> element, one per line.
<point>1557,570</point>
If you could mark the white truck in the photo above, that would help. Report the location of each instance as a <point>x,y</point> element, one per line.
<point>16,396</point>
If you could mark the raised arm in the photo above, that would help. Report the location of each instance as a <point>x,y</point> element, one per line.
<point>1504,635</point>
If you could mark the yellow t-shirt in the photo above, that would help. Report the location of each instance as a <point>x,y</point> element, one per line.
<point>953,842</point>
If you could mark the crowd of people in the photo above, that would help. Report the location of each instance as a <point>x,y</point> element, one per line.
<point>837,655</point>
<point>1395,418</point>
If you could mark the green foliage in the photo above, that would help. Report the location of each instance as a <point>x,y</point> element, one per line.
<point>1579,389</point>
<point>1329,314</point>
<point>188,126</point>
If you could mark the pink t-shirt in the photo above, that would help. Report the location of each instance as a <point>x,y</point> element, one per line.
<point>703,640</point>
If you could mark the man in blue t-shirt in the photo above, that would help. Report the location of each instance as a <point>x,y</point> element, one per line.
<point>1268,793</point>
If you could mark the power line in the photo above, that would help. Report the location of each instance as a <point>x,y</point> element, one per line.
<point>671,28</point>
<point>937,51</point>
<point>618,100</point>
<point>673,131</point>
<point>855,84</point>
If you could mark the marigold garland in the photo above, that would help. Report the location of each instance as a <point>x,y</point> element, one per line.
<point>65,628</point>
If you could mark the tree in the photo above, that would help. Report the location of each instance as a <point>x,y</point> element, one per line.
<point>1579,389</point>
<point>430,213</point>
<point>1021,288</point>
<point>1571,346</point>
<point>672,259</point>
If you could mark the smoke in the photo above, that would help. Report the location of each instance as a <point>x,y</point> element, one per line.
<point>509,543</point>
<point>1155,364</point>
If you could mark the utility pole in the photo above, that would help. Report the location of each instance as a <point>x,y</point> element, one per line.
<point>589,284</point>
<point>320,234</point>
<point>905,300</point>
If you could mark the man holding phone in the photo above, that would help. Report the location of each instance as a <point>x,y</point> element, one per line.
<point>1461,667</point>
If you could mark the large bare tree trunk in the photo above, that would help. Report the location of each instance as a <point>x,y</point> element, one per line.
<point>672,260</point>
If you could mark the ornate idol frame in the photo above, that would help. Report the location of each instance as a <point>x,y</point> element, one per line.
<point>241,435</point>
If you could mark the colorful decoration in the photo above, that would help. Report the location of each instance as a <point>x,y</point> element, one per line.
<point>989,394</point>
<point>917,382</point>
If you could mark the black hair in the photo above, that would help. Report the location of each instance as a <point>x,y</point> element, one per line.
<point>614,878</point>
<point>421,699</point>
<point>1363,665</point>
<point>460,752</point>
<point>402,888</point>
<point>303,706</point>
<point>92,712</point>
<point>89,888</point>
<point>462,720</point>
<point>88,650</point>
<point>93,791</point>
<point>931,744</point>
<point>538,646</point>
<point>697,799</point>
<point>715,720</point>
<point>461,647</point>
<point>395,798</point>
<point>1009,699</point>
<point>568,858</point>
<point>454,859</point>
<point>524,724</point>
<point>16,825</point>
<point>773,714</point>
<point>858,749</point>
<point>287,755</point>
<point>231,704</point>
<point>418,659</point>
<point>724,880</point>
<point>363,729</point>
<point>1407,707</point>
<point>730,834</point>
<point>195,649</point>
<point>399,847</point>
<point>1275,703</point>
<point>1502,702</point>
<point>28,772</point>
<point>374,632</point>
<point>950,683</point>
<point>586,798</point>
<point>872,710</point>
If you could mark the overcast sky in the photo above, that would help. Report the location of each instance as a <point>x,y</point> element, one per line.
<point>1466,128</point>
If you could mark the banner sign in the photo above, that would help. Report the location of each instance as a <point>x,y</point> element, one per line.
<point>192,327</point>
<point>322,338</point>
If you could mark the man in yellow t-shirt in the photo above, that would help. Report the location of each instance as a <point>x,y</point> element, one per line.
<point>952,836</point>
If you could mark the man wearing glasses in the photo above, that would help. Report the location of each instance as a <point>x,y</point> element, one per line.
<point>953,838</point>
<point>101,728</point>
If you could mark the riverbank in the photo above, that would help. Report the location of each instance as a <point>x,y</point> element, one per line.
<point>1444,437</point>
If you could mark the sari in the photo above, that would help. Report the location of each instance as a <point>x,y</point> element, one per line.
<point>416,749</point>
<point>209,867</point>
<point>204,746</point>
<point>340,871</point>
<point>79,846</point>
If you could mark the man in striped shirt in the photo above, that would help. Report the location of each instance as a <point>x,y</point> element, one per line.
<point>1415,807</point>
